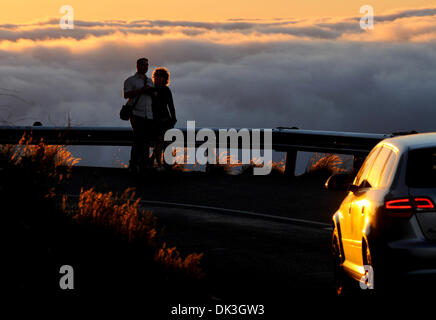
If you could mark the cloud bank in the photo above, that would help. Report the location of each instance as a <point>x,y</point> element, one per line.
<point>325,74</point>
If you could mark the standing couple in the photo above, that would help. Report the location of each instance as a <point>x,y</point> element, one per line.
<point>152,114</point>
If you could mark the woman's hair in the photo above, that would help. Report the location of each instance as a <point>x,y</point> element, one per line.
<point>162,72</point>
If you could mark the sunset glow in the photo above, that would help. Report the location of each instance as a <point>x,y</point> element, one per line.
<point>412,25</point>
<point>198,10</point>
<point>305,47</point>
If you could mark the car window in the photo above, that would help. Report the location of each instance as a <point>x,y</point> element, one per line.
<point>388,169</point>
<point>363,172</point>
<point>377,168</point>
<point>421,168</point>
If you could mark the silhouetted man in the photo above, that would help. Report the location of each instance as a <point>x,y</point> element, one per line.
<point>138,89</point>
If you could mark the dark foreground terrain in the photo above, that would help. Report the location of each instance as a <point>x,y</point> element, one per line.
<point>265,240</point>
<point>246,258</point>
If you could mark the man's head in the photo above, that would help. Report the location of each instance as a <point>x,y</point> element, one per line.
<point>142,65</point>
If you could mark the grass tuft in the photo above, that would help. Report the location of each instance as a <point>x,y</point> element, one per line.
<point>325,164</point>
<point>109,238</point>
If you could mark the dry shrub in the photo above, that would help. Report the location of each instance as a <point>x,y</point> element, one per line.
<point>122,217</point>
<point>248,169</point>
<point>34,172</point>
<point>277,167</point>
<point>40,153</point>
<point>30,177</point>
<point>181,160</point>
<point>41,160</point>
<point>119,215</point>
<point>223,165</point>
<point>46,231</point>
<point>171,259</point>
<point>326,164</point>
<point>6,153</point>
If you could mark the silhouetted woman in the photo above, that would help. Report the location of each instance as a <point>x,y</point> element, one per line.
<point>164,113</point>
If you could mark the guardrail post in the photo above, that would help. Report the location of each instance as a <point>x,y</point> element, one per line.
<point>291,161</point>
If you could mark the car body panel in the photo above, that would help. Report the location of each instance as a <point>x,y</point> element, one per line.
<point>399,244</point>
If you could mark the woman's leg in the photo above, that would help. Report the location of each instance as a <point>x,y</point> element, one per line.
<point>158,150</point>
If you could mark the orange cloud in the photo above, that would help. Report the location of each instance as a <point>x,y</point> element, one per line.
<point>412,25</point>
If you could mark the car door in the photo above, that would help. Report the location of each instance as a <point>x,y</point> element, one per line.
<point>364,202</point>
<point>348,220</point>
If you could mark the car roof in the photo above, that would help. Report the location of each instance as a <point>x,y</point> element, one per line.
<point>411,141</point>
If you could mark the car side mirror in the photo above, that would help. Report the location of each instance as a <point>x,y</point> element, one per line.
<point>339,181</point>
<point>353,188</point>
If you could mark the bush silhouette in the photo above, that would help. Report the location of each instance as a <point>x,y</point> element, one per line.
<point>111,242</point>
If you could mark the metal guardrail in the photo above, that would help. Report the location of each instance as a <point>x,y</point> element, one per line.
<point>283,139</point>
<point>289,140</point>
<point>325,141</point>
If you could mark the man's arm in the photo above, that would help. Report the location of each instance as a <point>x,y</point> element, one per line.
<point>133,93</point>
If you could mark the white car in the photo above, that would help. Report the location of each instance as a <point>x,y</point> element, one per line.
<point>385,229</point>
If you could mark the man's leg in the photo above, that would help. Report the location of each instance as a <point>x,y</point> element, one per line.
<point>137,151</point>
<point>149,142</point>
<point>132,162</point>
